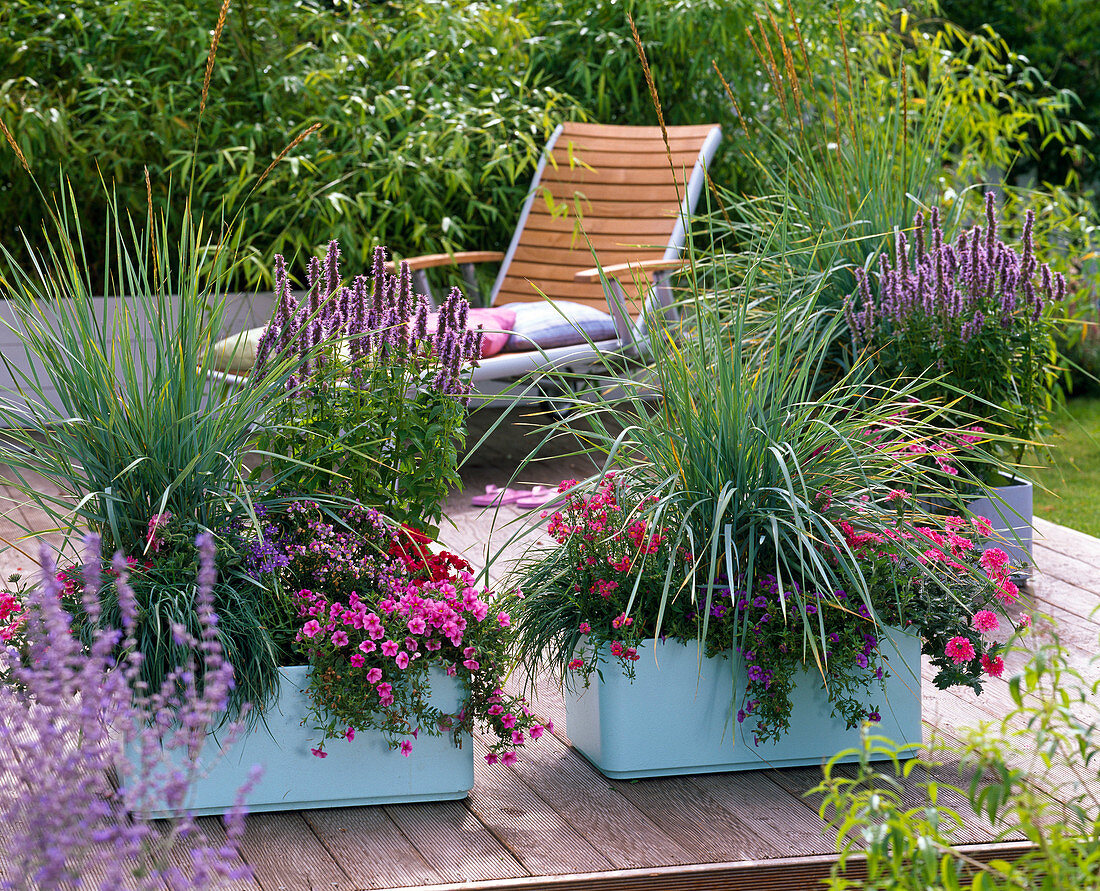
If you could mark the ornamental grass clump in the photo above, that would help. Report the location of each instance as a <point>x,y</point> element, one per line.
<point>377,406</point>
<point>378,613</point>
<point>66,713</point>
<point>974,315</point>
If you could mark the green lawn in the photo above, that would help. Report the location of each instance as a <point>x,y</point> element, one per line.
<point>1073,481</point>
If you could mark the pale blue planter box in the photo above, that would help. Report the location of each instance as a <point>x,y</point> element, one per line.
<point>363,771</point>
<point>1011,515</point>
<point>677,719</point>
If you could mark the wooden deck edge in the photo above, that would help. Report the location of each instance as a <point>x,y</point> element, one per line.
<point>747,875</point>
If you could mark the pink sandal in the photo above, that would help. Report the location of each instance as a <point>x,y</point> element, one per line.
<point>494,495</point>
<point>537,497</point>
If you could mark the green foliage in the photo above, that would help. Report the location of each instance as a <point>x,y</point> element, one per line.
<point>1061,39</point>
<point>431,119</point>
<point>1033,773</point>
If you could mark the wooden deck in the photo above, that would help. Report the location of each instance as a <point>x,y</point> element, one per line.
<point>551,821</point>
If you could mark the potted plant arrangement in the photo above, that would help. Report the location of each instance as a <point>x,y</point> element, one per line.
<point>974,316</point>
<point>747,581</point>
<point>354,408</point>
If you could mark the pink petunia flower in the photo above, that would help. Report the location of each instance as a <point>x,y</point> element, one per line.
<point>536,731</point>
<point>349,734</point>
<point>504,619</point>
<point>986,620</point>
<point>508,758</point>
<point>390,648</point>
<point>374,675</point>
<point>406,748</point>
<point>959,650</point>
<point>319,752</point>
<point>311,628</point>
<point>491,758</point>
<point>339,638</point>
<point>402,660</point>
<point>357,660</point>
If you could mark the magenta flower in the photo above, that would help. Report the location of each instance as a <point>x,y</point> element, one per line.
<point>504,619</point>
<point>340,638</point>
<point>491,758</point>
<point>367,646</point>
<point>406,748</point>
<point>509,720</point>
<point>416,625</point>
<point>517,737</point>
<point>508,758</point>
<point>472,664</point>
<point>985,621</point>
<point>536,731</point>
<point>390,648</point>
<point>585,628</point>
<point>994,667</point>
<point>374,675</point>
<point>356,660</point>
<point>959,650</point>
<point>311,628</point>
<point>349,734</point>
<point>402,660</point>
<point>320,752</point>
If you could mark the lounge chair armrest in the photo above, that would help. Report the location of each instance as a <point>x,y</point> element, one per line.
<point>430,261</point>
<point>627,270</point>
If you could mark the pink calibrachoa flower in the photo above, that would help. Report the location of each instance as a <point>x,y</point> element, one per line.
<point>311,628</point>
<point>406,748</point>
<point>508,720</point>
<point>508,758</point>
<point>320,752</point>
<point>390,648</point>
<point>356,660</point>
<point>959,650</point>
<point>339,638</point>
<point>504,620</point>
<point>994,667</point>
<point>535,731</point>
<point>491,758</point>
<point>517,737</point>
<point>986,620</point>
<point>374,675</point>
<point>402,660</point>
<point>349,734</point>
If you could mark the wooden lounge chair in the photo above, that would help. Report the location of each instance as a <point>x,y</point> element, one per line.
<point>608,195</point>
<point>616,193</point>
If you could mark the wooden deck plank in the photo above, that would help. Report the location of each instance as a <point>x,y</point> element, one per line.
<point>285,855</point>
<point>1062,539</point>
<point>593,806</point>
<point>706,824</point>
<point>370,847</point>
<point>769,810</point>
<point>537,835</point>
<point>453,842</point>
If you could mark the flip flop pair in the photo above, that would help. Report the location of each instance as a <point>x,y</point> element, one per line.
<point>525,499</point>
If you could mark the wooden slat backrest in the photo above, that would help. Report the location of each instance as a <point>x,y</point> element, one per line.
<point>615,190</point>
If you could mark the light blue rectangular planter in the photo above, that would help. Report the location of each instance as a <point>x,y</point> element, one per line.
<point>677,719</point>
<point>362,771</point>
<point>1010,512</point>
